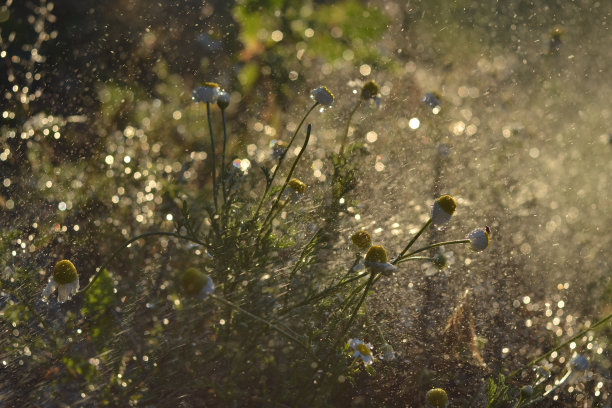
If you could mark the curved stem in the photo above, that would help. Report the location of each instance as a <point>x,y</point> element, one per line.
<point>214,161</point>
<point>280,161</point>
<point>127,243</point>
<point>437,244</point>
<point>414,258</point>
<point>280,193</point>
<point>412,241</point>
<point>559,347</point>
<point>348,125</point>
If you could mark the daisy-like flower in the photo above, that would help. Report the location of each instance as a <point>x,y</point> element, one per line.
<point>437,398</point>
<point>443,209</point>
<point>376,259</point>
<point>206,93</point>
<point>196,283</point>
<point>223,99</point>
<point>361,240</point>
<point>322,96</point>
<point>479,239</point>
<point>65,278</point>
<point>297,185</point>
<point>579,363</point>
<point>362,350</point>
<point>371,90</point>
<point>440,261</point>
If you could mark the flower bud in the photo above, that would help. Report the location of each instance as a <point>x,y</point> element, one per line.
<point>443,209</point>
<point>479,239</point>
<point>297,185</point>
<point>223,99</point>
<point>362,240</point>
<point>437,398</point>
<point>322,96</point>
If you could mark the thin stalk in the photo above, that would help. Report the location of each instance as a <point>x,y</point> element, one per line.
<point>559,347</point>
<point>280,161</point>
<point>295,162</point>
<point>437,244</point>
<point>412,241</point>
<point>285,331</point>
<point>223,157</point>
<point>348,125</point>
<point>369,284</point>
<point>214,161</point>
<point>127,243</point>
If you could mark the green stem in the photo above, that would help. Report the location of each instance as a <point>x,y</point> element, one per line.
<point>282,330</point>
<point>280,161</point>
<point>214,161</point>
<point>437,244</point>
<point>559,347</point>
<point>295,162</point>
<point>127,243</point>
<point>223,156</point>
<point>412,241</point>
<point>348,125</point>
<point>356,309</point>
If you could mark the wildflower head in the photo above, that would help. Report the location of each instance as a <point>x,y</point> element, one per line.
<point>223,99</point>
<point>371,90</point>
<point>557,32</point>
<point>279,148</point>
<point>443,209</point>
<point>322,96</point>
<point>65,278</point>
<point>362,240</point>
<point>376,259</point>
<point>297,185</point>
<point>579,363</point>
<point>362,351</point>
<point>196,283</point>
<point>206,93</point>
<point>479,239</point>
<point>437,398</point>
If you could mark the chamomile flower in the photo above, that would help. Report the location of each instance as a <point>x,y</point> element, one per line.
<point>479,239</point>
<point>297,185</point>
<point>362,351</point>
<point>376,259</point>
<point>437,398</point>
<point>361,240</point>
<point>371,91</point>
<point>322,96</point>
<point>206,93</point>
<point>442,210</point>
<point>579,363</point>
<point>65,278</point>
<point>196,283</point>
<point>440,262</point>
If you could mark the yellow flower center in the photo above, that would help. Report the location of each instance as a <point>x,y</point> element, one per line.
<point>447,203</point>
<point>363,349</point>
<point>376,254</point>
<point>297,185</point>
<point>64,272</point>
<point>211,85</point>
<point>362,240</point>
